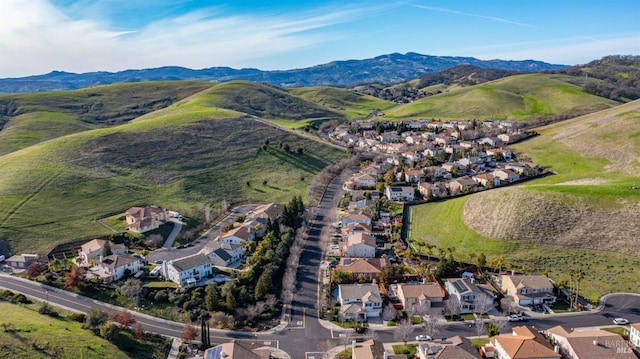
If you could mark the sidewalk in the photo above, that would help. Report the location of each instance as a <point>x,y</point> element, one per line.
<point>175,348</point>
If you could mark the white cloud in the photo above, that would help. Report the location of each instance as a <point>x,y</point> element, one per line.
<point>35,37</point>
<point>456,12</point>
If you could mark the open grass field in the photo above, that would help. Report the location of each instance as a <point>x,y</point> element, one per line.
<point>187,156</point>
<point>34,335</point>
<point>584,217</point>
<point>517,97</point>
<point>36,117</point>
<point>354,105</point>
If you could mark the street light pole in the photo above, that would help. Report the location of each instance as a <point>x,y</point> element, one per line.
<point>46,293</point>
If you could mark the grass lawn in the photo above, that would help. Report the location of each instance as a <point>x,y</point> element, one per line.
<point>621,331</point>
<point>479,342</point>
<point>410,349</point>
<point>560,306</point>
<point>34,335</point>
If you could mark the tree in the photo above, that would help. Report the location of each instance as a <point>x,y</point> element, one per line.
<point>432,324</point>
<point>482,303</point>
<point>95,318</point>
<point>452,306</point>
<point>264,285</point>
<point>139,331</point>
<point>35,269</point>
<point>74,277</point>
<point>502,323</point>
<point>492,330</point>
<point>480,327</point>
<point>299,150</point>
<point>155,240</point>
<point>106,249</point>
<point>212,297</point>
<point>131,289</point>
<point>108,331</point>
<point>286,147</point>
<point>481,260</point>
<point>389,312</point>
<point>125,318</point>
<point>403,330</point>
<point>204,333</point>
<point>189,333</point>
<point>507,304</point>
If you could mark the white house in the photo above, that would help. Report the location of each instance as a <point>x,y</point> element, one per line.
<point>356,218</point>
<point>224,254</point>
<point>359,301</point>
<point>238,235</point>
<point>364,180</point>
<point>634,335</point>
<point>117,266</point>
<point>400,193</point>
<point>188,270</point>
<point>466,291</point>
<point>506,175</point>
<point>360,245</point>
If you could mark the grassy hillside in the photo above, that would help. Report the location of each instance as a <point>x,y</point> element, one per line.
<point>186,156</point>
<point>34,335</point>
<point>354,105</point>
<point>32,118</point>
<point>516,97</point>
<point>266,101</point>
<point>585,215</point>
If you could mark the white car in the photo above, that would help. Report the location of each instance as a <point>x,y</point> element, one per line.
<point>423,338</point>
<point>515,318</point>
<point>620,321</point>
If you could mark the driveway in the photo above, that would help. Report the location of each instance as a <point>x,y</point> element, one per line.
<point>177,227</point>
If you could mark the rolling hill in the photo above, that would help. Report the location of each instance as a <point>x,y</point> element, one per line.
<point>584,217</point>
<point>186,156</point>
<point>352,104</point>
<point>515,97</point>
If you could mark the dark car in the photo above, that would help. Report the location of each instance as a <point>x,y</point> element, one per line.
<point>361,330</point>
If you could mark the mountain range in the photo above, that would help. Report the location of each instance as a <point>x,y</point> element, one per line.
<point>386,69</point>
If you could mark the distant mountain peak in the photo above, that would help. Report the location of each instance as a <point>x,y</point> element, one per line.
<point>387,69</point>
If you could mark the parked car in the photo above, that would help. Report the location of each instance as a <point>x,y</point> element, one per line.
<point>423,338</point>
<point>361,330</point>
<point>515,318</point>
<point>620,321</point>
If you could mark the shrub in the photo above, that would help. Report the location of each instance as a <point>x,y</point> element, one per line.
<point>77,317</point>
<point>20,298</point>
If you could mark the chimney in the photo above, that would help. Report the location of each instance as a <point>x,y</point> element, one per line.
<point>595,342</point>
<point>556,349</point>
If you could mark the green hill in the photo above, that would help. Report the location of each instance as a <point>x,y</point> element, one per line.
<point>518,97</point>
<point>584,217</point>
<point>27,119</point>
<point>189,155</point>
<point>351,103</point>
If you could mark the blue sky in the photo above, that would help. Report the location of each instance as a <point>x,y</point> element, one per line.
<point>38,36</point>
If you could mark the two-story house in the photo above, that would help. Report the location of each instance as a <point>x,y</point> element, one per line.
<point>634,336</point>
<point>523,342</point>
<point>400,193</point>
<point>361,245</point>
<point>528,289</point>
<point>224,254</point>
<point>356,217</point>
<point>144,219</point>
<point>364,180</point>
<point>423,295</point>
<point>466,291</point>
<point>590,343</point>
<point>362,268</point>
<point>238,235</point>
<point>95,248</point>
<point>359,301</point>
<point>189,270</point>
<point>117,266</point>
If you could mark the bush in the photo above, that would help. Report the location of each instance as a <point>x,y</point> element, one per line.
<point>20,298</point>
<point>77,317</point>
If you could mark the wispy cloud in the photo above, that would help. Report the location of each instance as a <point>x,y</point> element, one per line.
<point>36,30</point>
<point>492,18</point>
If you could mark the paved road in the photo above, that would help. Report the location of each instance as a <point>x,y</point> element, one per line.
<point>177,226</point>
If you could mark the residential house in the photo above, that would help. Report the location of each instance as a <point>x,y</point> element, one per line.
<point>21,261</point>
<point>362,268</point>
<point>433,151</point>
<point>411,156</point>
<point>360,245</point>
<point>487,179</point>
<point>370,349</point>
<point>590,344</point>
<point>634,335</point>
<point>433,190</point>
<point>462,185</point>
<point>490,141</point>
<point>413,175</point>
<point>466,291</point>
<point>503,153</point>
<point>238,235</point>
<point>118,266</point>
<point>438,351</point>
<point>400,193</point>
<point>506,175</point>
<point>528,289</point>
<point>523,342</point>
<point>509,137</point>
<point>364,180</point>
<point>520,168</point>
<point>359,301</point>
<point>356,217</point>
<point>95,248</point>
<point>144,219</point>
<point>189,270</point>
<point>353,228</point>
<point>224,254</point>
<point>388,137</point>
<point>372,170</point>
<point>237,350</point>
<point>270,211</point>
<point>423,295</point>
<point>361,205</point>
